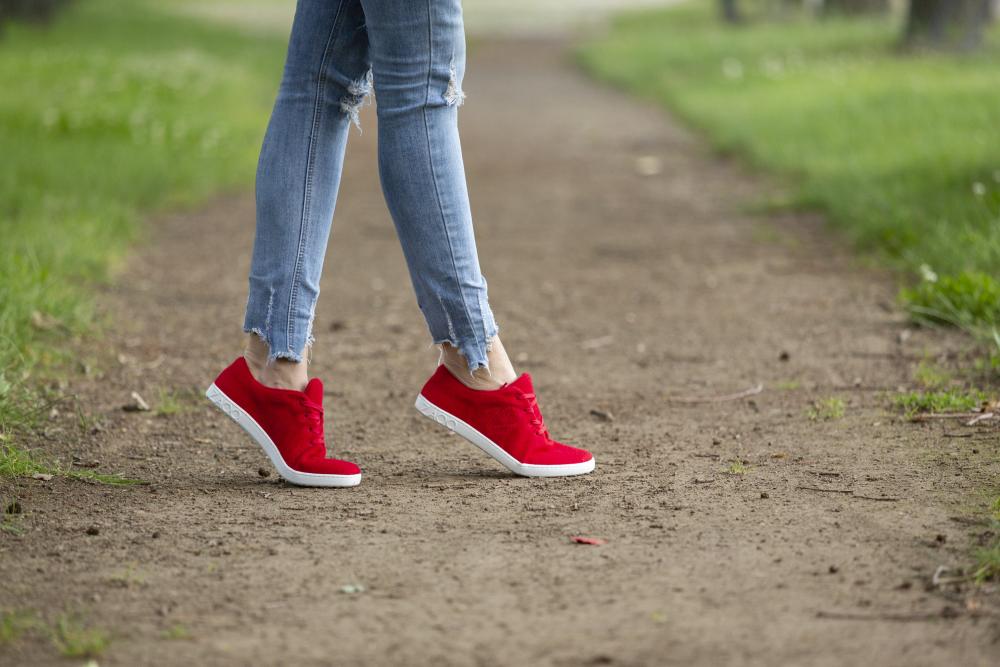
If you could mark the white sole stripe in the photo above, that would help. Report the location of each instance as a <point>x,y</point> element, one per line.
<point>231,409</point>
<point>456,425</point>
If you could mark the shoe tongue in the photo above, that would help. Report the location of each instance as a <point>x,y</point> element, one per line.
<point>314,391</point>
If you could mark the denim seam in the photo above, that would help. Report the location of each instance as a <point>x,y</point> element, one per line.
<point>434,179</point>
<point>310,168</point>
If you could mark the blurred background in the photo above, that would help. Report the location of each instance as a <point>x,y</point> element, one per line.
<point>882,114</point>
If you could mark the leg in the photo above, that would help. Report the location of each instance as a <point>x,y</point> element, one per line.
<point>326,79</point>
<point>418,59</point>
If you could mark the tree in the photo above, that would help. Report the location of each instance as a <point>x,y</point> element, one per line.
<point>730,11</point>
<point>855,6</point>
<point>947,23</point>
<point>29,10</point>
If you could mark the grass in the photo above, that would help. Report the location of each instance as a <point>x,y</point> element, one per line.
<point>899,150</point>
<point>12,518</point>
<point>68,634</point>
<point>827,409</point>
<point>941,400</point>
<point>176,632</point>
<point>75,640</point>
<point>170,403</point>
<point>128,577</point>
<point>114,111</point>
<point>14,624</point>
<point>16,461</point>
<point>931,376</point>
<point>987,566</point>
<point>737,468</point>
<point>173,401</point>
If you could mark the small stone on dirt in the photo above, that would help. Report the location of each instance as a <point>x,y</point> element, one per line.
<point>82,463</point>
<point>352,589</point>
<point>593,541</point>
<point>602,415</point>
<point>784,356</point>
<point>263,472</point>
<point>764,495</point>
<point>156,534</point>
<point>93,530</point>
<point>43,476</point>
<point>834,569</point>
<point>43,321</point>
<point>138,404</point>
<point>648,165</point>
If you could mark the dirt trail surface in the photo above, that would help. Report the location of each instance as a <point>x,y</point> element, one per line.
<point>625,272</point>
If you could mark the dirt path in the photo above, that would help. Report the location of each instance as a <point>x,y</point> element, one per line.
<point>618,291</point>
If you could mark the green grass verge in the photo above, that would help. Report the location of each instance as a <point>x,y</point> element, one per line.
<point>68,633</point>
<point>945,400</point>
<point>899,150</point>
<point>116,110</point>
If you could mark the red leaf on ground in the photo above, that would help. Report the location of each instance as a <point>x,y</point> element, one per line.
<point>595,541</point>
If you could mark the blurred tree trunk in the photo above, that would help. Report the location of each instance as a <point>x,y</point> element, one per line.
<point>947,23</point>
<point>730,11</point>
<point>855,6</point>
<point>29,10</point>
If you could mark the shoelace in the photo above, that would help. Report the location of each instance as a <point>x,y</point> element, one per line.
<point>536,416</point>
<point>312,416</point>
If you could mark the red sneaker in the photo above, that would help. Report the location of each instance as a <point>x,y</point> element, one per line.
<point>287,424</point>
<point>505,423</point>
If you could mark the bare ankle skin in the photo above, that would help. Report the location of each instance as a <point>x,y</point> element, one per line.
<point>500,372</point>
<point>278,374</point>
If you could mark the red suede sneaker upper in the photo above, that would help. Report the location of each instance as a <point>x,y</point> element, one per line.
<point>292,419</point>
<point>508,416</point>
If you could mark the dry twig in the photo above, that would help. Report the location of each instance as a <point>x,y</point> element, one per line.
<point>927,416</point>
<point>816,488</point>
<point>752,391</point>
<point>901,618</point>
<point>849,492</point>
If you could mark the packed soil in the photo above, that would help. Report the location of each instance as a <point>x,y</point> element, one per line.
<point>630,276</point>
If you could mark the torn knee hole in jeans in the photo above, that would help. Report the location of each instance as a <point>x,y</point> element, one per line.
<point>454,96</point>
<point>357,96</point>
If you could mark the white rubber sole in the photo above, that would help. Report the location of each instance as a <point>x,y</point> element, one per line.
<point>456,425</point>
<point>248,424</point>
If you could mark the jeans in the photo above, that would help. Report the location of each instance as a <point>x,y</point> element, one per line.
<point>412,52</point>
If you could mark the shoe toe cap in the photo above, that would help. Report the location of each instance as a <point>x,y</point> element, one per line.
<point>559,454</point>
<point>330,467</point>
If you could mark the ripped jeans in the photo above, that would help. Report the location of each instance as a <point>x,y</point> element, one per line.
<point>413,53</point>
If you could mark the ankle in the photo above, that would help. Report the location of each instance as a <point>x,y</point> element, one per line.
<point>277,374</point>
<point>499,372</point>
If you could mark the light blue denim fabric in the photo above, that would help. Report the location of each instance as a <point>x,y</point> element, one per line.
<point>413,53</point>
